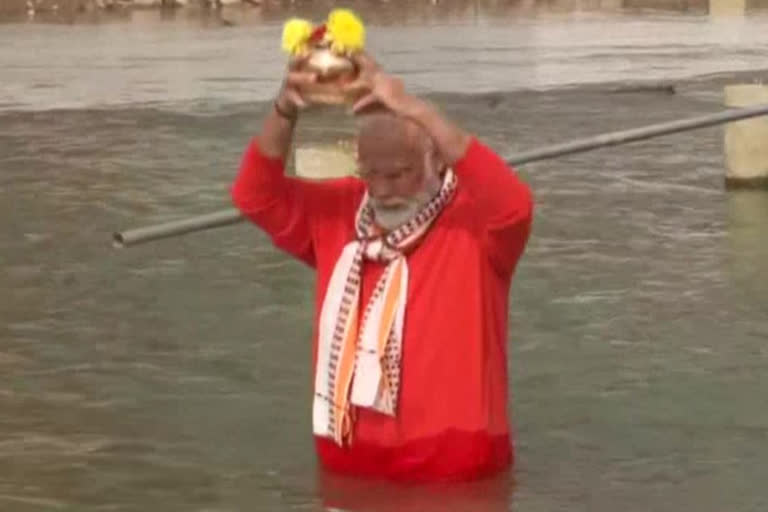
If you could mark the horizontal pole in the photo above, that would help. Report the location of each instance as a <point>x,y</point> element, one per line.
<point>232,216</point>
<point>637,134</point>
<point>175,228</point>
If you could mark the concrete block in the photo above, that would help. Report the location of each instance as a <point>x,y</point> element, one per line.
<point>727,7</point>
<point>746,142</point>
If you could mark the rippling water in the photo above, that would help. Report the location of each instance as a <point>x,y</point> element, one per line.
<point>76,66</point>
<point>175,375</point>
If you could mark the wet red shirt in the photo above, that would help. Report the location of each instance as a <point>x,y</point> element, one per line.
<point>452,418</point>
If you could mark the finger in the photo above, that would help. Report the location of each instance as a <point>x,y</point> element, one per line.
<point>364,61</point>
<point>357,85</point>
<point>365,102</point>
<point>295,63</point>
<point>296,98</point>
<point>299,78</point>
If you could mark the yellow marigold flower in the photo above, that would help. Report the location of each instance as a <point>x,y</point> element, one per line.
<point>346,31</point>
<point>296,33</point>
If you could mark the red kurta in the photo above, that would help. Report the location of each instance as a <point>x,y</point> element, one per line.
<point>452,417</point>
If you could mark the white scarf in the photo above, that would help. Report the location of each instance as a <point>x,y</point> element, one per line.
<point>360,365</point>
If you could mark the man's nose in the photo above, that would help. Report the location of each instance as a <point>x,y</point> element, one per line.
<point>381,189</point>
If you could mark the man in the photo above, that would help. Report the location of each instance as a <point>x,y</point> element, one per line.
<point>414,261</point>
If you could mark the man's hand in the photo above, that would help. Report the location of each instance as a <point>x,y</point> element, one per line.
<point>375,87</point>
<point>277,132</point>
<point>289,100</point>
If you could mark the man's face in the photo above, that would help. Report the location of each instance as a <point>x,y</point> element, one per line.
<point>398,173</point>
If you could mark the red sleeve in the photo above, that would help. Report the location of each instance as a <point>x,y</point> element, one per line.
<point>504,203</point>
<point>283,206</point>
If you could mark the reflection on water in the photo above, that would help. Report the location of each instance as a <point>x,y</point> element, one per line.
<point>748,242</point>
<point>341,493</point>
<point>175,376</point>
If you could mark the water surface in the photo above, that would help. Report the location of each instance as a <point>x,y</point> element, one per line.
<point>175,375</point>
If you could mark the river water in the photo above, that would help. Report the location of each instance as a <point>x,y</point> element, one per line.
<point>175,376</point>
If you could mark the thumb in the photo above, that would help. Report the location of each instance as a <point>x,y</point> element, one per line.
<point>364,61</point>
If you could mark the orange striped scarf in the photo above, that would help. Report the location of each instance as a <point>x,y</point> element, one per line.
<point>358,363</point>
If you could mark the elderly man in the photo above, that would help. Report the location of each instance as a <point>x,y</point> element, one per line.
<point>414,262</point>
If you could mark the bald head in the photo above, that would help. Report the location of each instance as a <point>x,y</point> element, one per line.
<point>386,131</point>
<point>398,163</point>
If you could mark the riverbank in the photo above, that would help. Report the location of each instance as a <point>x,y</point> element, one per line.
<point>71,10</point>
<point>74,11</point>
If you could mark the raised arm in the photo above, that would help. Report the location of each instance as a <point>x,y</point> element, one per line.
<point>277,203</point>
<point>504,204</point>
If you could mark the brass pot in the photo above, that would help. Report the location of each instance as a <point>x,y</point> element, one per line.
<point>333,72</point>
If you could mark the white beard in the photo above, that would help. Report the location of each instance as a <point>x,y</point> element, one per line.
<point>391,217</point>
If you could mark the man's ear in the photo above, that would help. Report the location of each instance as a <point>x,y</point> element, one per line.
<point>432,159</point>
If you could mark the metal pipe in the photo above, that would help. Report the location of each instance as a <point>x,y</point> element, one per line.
<point>175,228</point>
<point>232,216</point>
<point>636,134</point>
